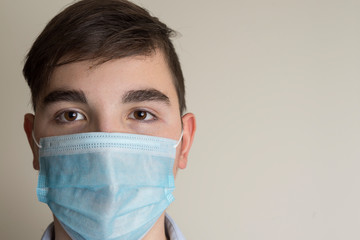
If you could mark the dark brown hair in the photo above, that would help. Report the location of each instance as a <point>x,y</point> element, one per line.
<point>99,30</point>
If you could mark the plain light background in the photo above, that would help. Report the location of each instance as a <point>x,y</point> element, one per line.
<point>275,87</point>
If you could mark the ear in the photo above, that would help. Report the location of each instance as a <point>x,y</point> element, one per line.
<point>189,127</point>
<point>28,127</point>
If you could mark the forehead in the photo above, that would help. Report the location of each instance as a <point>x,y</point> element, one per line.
<point>115,76</point>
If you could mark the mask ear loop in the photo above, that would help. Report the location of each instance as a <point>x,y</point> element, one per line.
<point>33,136</point>
<point>178,142</point>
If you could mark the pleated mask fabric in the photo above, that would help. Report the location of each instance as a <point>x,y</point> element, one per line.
<point>106,186</point>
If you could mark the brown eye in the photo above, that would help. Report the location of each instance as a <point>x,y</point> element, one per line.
<point>70,116</point>
<point>140,115</point>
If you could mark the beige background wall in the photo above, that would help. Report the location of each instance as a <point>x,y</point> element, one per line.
<point>276,90</point>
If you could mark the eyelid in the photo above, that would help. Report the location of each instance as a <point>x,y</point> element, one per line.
<point>63,111</point>
<point>154,116</point>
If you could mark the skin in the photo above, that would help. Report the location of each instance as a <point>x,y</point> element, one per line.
<point>108,108</point>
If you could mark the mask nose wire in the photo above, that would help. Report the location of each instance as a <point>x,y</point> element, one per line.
<point>175,146</point>
<point>178,142</point>
<point>33,136</point>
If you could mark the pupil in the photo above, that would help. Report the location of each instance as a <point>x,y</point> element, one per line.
<point>71,116</point>
<point>140,114</point>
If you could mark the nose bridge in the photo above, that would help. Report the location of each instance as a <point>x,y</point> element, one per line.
<point>106,120</point>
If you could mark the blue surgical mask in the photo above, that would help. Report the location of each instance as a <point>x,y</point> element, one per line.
<point>106,185</point>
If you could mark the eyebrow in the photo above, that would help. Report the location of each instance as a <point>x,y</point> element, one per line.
<point>145,95</point>
<point>65,95</point>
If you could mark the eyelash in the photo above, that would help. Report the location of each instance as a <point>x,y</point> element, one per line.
<point>154,117</point>
<point>60,115</point>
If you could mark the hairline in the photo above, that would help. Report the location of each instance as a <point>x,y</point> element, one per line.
<point>98,61</point>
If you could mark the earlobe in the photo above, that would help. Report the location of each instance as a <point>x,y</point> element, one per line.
<point>189,128</point>
<point>28,127</point>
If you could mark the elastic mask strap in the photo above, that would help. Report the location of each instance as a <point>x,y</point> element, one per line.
<point>33,136</point>
<point>177,144</point>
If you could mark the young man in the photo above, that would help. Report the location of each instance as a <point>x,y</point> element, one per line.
<point>108,132</point>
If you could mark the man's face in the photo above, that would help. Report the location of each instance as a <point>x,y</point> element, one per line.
<point>129,95</point>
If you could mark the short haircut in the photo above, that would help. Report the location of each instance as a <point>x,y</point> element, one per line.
<point>99,30</point>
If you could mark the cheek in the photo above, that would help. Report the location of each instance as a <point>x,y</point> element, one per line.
<point>176,162</point>
<point>175,168</point>
<point>41,126</point>
<point>36,164</point>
